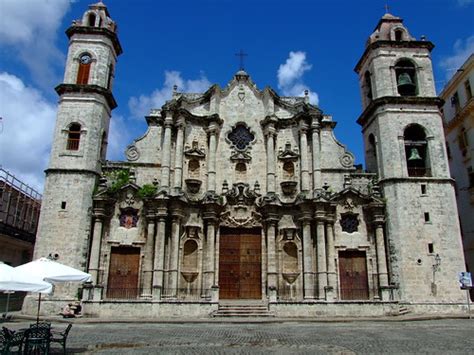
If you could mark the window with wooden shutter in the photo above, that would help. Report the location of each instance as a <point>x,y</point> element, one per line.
<point>84,69</point>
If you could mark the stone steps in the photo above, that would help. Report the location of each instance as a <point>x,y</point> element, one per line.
<point>242,310</point>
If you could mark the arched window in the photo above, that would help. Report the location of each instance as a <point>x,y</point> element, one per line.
<point>371,154</point>
<point>399,35</point>
<point>111,75</point>
<point>85,61</point>
<point>91,20</point>
<point>405,72</point>
<point>73,136</point>
<point>103,146</point>
<point>416,151</point>
<point>368,85</point>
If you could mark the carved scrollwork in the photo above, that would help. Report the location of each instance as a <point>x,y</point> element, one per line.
<point>132,153</point>
<point>347,160</point>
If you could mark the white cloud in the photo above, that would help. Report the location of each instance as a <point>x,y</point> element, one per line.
<point>27,130</point>
<point>465,2</point>
<point>141,106</point>
<point>29,28</point>
<point>461,51</point>
<point>119,137</point>
<point>290,76</point>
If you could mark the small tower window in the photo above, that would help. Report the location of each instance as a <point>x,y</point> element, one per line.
<point>406,78</point>
<point>103,146</point>
<point>398,35</point>
<point>91,20</point>
<point>371,155</point>
<point>416,151</point>
<point>73,137</point>
<point>368,85</point>
<point>110,77</point>
<point>84,69</point>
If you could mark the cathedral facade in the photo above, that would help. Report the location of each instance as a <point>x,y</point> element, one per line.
<point>239,195</point>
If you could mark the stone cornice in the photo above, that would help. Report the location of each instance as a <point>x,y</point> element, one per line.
<point>391,44</point>
<point>96,31</point>
<point>397,100</point>
<point>87,89</point>
<point>71,171</point>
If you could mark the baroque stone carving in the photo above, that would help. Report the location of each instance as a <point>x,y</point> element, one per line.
<point>240,194</point>
<point>128,217</point>
<point>132,153</point>
<point>347,160</point>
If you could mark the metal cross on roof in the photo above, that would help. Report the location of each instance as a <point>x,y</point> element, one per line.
<point>241,54</point>
<point>387,8</point>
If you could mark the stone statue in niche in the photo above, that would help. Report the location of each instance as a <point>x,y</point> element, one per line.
<point>128,217</point>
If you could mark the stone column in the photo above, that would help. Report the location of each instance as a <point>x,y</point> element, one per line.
<point>174,255</point>
<point>209,263</point>
<point>321,259</point>
<point>166,157</point>
<point>178,161</point>
<point>317,183</point>
<point>271,254</point>
<point>211,164</point>
<point>270,134</point>
<point>147,268</point>
<point>159,261</point>
<point>304,157</point>
<point>308,275</point>
<point>95,247</point>
<point>331,254</point>
<point>381,258</point>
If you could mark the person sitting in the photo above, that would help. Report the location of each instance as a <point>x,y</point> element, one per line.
<point>68,312</point>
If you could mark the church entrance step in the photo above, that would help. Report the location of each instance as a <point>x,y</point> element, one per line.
<point>242,310</point>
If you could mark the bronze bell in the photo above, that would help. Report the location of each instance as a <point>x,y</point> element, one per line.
<point>404,79</point>
<point>414,155</point>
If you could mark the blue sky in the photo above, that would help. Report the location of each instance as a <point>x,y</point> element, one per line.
<point>291,45</point>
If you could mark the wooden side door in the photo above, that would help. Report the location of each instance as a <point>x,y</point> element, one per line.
<point>251,266</point>
<point>123,273</point>
<point>353,275</point>
<point>229,266</point>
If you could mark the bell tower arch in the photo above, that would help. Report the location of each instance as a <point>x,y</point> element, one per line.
<point>79,144</point>
<point>404,144</point>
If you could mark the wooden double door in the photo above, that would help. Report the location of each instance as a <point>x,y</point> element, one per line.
<point>353,275</point>
<point>240,263</point>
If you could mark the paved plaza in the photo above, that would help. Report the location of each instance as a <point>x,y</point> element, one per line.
<point>445,336</point>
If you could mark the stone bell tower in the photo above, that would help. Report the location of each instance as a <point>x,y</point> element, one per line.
<point>404,145</point>
<point>80,139</point>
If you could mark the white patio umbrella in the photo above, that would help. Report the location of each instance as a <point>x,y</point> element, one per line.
<point>52,271</point>
<point>12,279</point>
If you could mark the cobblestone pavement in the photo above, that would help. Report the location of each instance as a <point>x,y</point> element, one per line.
<point>447,336</point>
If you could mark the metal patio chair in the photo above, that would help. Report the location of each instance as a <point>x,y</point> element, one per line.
<point>61,337</point>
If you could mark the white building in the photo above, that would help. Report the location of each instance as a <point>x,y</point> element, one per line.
<point>458,112</point>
